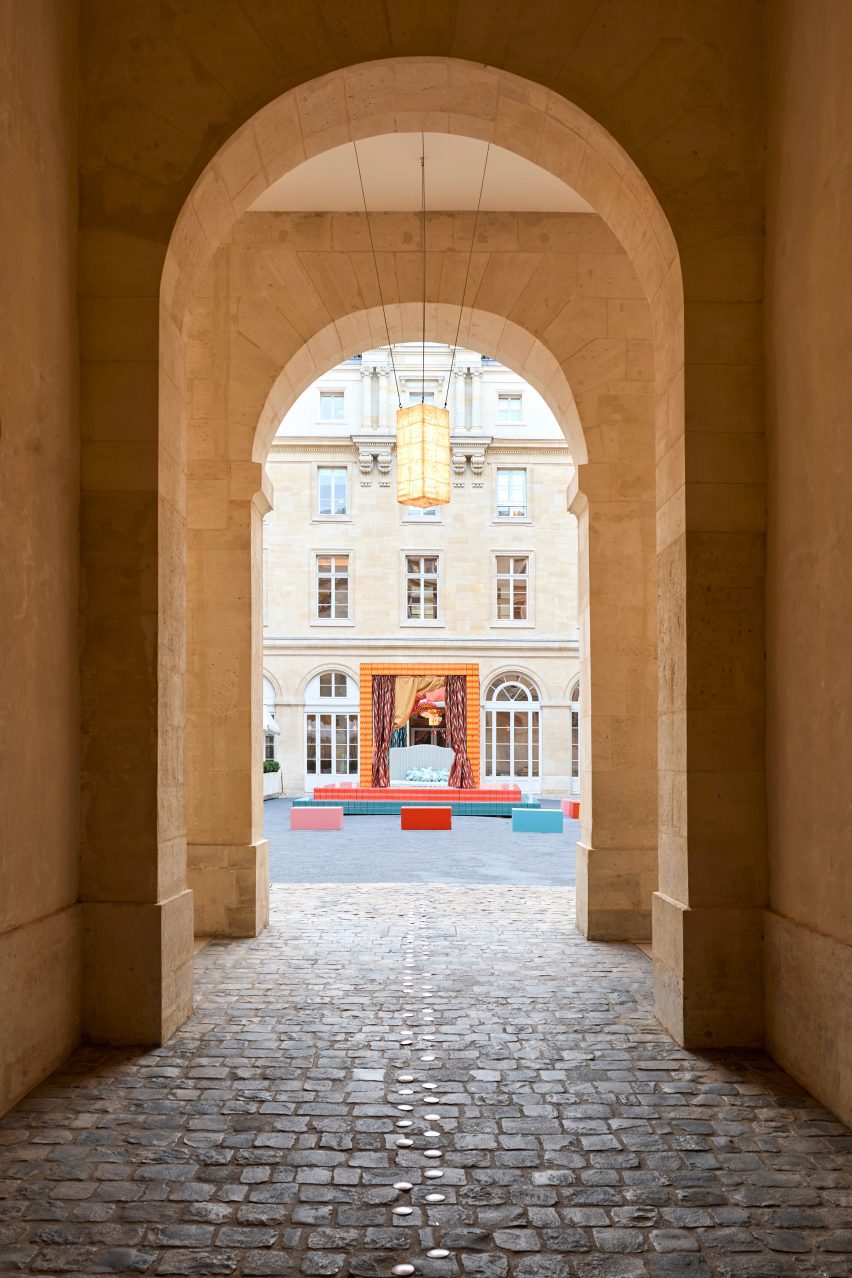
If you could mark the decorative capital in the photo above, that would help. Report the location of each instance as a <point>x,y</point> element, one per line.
<point>376,450</point>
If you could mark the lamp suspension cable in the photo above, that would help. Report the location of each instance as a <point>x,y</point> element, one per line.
<point>423,244</point>
<point>376,269</point>
<point>467,272</point>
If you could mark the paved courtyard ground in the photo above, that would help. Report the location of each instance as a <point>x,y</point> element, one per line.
<point>373,849</point>
<point>376,1034</point>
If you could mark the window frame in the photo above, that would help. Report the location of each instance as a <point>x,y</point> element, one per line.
<point>414,515</point>
<point>318,516</point>
<point>349,714</point>
<point>513,520</point>
<point>529,708</point>
<point>574,738</point>
<point>417,553</point>
<point>503,623</point>
<point>510,421</point>
<point>315,556</point>
<point>339,394</point>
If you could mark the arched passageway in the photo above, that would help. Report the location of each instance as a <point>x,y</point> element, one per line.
<point>708,910</point>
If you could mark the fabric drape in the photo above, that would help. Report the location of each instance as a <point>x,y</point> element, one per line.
<point>408,689</point>
<point>461,773</point>
<point>383,707</point>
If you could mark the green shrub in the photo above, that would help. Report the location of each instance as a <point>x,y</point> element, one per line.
<point>271,765</point>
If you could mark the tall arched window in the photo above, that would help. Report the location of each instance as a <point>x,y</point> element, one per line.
<point>513,730</point>
<point>331,729</point>
<point>575,738</point>
<point>270,727</point>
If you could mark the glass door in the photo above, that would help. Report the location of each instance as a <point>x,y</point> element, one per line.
<point>512,745</point>
<point>331,748</point>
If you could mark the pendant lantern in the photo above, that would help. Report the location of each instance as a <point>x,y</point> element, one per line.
<point>423,456</point>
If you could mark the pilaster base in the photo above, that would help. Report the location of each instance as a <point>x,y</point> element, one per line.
<point>137,969</point>
<point>614,889</point>
<point>808,1011</point>
<point>40,997</point>
<point>231,886</point>
<point>708,979</point>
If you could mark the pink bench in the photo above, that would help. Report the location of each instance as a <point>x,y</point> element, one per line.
<point>316,818</point>
<point>571,808</point>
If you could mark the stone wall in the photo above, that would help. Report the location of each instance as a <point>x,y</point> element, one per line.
<point>39,460</point>
<point>809,598</point>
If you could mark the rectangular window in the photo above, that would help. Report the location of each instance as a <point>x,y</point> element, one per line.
<point>511,493</point>
<point>421,587</point>
<point>331,406</point>
<point>333,587</point>
<point>417,514</point>
<point>512,587</point>
<point>508,408</point>
<point>421,397</point>
<point>331,490</point>
<point>269,746</point>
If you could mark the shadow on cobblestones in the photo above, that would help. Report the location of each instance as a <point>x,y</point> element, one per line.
<point>571,1138</point>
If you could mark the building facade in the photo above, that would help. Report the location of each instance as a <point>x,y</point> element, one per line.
<point>355,582</point>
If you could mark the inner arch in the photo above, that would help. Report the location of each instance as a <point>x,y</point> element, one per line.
<point>482,331</point>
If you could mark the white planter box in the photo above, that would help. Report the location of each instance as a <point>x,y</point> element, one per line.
<point>271,785</point>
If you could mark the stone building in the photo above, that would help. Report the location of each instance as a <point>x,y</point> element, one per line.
<point>489,579</point>
<point>687,318</point>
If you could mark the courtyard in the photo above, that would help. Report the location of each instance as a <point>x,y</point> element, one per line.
<point>462,1041</point>
<point>373,849</point>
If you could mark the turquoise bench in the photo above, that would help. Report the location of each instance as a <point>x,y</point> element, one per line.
<point>537,820</point>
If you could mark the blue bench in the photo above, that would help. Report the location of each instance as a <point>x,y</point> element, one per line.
<point>537,820</point>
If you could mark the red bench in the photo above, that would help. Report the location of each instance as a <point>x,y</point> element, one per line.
<point>571,808</point>
<point>426,818</point>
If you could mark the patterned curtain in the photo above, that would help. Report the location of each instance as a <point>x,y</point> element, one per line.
<point>384,688</point>
<point>461,773</point>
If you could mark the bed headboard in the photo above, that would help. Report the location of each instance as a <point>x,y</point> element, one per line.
<point>401,758</point>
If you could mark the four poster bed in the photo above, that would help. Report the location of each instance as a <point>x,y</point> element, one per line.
<point>404,711</point>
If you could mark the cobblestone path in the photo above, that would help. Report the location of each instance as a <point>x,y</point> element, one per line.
<point>461,1043</point>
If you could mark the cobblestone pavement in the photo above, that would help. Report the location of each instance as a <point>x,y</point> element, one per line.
<point>574,1140</point>
<point>373,849</point>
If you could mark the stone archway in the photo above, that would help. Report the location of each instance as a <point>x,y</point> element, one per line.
<point>712,886</point>
<point>587,350</point>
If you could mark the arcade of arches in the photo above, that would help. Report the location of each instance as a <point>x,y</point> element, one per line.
<point>159,330</point>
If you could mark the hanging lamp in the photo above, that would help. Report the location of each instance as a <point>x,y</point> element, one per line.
<point>423,430</point>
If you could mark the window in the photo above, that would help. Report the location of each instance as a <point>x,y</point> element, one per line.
<point>270,727</point>
<point>508,408</point>
<point>513,729</point>
<point>333,587</point>
<point>331,490</point>
<point>512,582</point>
<point>421,514</point>
<point>575,739</point>
<point>331,406</point>
<point>511,494</point>
<point>331,745</point>
<point>421,397</point>
<point>421,587</point>
<point>332,684</point>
